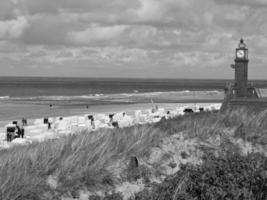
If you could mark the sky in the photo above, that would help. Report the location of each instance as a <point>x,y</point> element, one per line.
<point>131,38</point>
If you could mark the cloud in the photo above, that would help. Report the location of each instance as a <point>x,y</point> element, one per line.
<point>33,7</point>
<point>7,10</point>
<point>46,30</point>
<point>95,34</point>
<point>254,3</point>
<point>149,10</point>
<point>64,54</point>
<point>13,28</point>
<point>131,36</point>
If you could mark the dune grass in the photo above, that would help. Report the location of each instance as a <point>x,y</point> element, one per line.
<point>95,161</point>
<point>75,162</point>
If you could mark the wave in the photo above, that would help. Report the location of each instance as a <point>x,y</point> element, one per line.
<point>135,94</point>
<point>183,92</point>
<point>4,97</point>
<point>58,98</point>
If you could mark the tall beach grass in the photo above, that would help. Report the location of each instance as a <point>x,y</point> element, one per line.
<point>96,161</point>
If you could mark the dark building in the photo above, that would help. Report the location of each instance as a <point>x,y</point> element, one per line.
<point>241,93</point>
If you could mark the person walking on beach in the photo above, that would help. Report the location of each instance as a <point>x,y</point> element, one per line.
<point>93,123</point>
<point>24,122</point>
<point>22,132</point>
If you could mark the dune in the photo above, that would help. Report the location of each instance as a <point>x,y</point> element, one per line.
<point>96,164</point>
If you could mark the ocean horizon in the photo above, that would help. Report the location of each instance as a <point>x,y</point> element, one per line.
<point>33,97</point>
<point>73,86</point>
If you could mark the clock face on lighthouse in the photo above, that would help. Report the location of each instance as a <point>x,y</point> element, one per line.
<point>240,54</point>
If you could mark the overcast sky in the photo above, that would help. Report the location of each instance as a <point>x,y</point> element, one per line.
<point>131,38</point>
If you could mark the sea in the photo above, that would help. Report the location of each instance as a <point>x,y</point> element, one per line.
<point>36,97</point>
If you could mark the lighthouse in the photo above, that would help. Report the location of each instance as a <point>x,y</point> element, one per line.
<point>241,71</point>
<point>240,93</point>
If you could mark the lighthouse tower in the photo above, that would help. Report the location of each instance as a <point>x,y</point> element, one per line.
<point>241,93</point>
<point>241,70</point>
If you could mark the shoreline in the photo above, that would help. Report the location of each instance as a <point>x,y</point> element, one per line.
<point>35,111</point>
<point>77,120</point>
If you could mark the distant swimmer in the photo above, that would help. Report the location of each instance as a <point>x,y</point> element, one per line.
<point>50,105</point>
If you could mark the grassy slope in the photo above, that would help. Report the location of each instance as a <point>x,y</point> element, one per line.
<point>89,161</point>
<point>78,161</point>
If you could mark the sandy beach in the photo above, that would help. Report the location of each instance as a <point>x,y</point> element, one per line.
<point>41,111</point>
<point>37,130</point>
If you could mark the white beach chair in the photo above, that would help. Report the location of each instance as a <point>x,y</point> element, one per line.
<point>137,113</point>
<point>118,117</point>
<point>161,111</point>
<point>100,116</point>
<point>38,121</point>
<point>156,119</point>
<point>103,118</point>
<point>180,110</point>
<point>96,124</point>
<point>73,124</point>
<point>217,106</point>
<point>81,122</point>
<point>142,119</point>
<point>61,126</point>
<point>21,141</point>
<point>126,121</point>
<point>51,120</point>
<point>2,136</point>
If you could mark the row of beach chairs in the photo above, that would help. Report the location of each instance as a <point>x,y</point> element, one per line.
<point>42,129</point>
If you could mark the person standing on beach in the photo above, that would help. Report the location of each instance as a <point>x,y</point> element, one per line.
<point>18,131</point>
<point>9,136</point>
<point>24,121</point>
<point>93,123</point>
<point>110,119</point>
<point>22,132</point>
<point>49,125</point>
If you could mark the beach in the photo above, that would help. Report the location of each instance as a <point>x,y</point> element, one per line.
<point>17,111</point>
<point>53,98</point>
<point>37,130</point>
<point>33,97</point>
